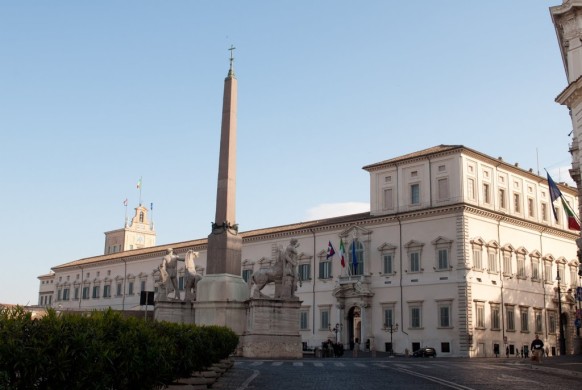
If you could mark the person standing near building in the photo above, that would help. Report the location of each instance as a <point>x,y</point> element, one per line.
<point>537,347</point>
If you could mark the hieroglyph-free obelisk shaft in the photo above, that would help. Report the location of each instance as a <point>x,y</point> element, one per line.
<point>224,243</point>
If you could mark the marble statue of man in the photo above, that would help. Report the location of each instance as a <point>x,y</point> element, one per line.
<point>290,267</point>
<point>170,267</point>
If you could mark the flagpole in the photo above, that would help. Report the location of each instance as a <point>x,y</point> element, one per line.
<point>139,185</point>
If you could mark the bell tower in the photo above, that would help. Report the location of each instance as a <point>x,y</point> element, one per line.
<point>137,234</point>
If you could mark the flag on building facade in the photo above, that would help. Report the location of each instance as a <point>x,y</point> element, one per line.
<point>125,202</point>
<point>342,253</point>
<point>555,193</point>
<point>139,183</point>
<point>573,222</point>
<point>151,206</point>
<point>330,251</point>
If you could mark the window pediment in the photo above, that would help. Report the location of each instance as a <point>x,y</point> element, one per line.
<point>549,258</point>
<point>477,241</point>
<point>355,231</point>
<point>413,244</point>
<point>442,241</point>
<point>535,254</point>
<point>521,251</point>
<point>493,244</point>
<point>386,247</point>
<point>508,248</point>
<point>561,260</point>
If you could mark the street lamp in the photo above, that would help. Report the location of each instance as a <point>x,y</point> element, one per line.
<point>336,329</point>
<point>561,324</point>
<point>391,329</point>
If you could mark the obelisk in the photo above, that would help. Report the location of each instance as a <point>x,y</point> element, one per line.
<point>221,294</point>
<point>224,243</point>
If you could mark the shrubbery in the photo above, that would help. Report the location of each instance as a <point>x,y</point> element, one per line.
<point>103,350</point>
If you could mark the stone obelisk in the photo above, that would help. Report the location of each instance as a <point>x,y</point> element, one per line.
<point>221,294</point>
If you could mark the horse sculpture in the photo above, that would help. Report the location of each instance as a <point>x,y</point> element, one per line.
<point>191,278</point>
<point>260,278</point>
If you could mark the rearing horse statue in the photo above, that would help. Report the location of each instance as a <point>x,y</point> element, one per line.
<point>260,278</point>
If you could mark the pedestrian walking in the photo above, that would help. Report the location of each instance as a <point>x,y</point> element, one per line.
<point>537,347</point>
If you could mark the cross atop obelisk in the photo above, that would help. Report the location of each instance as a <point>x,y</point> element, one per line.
<point>224,244</point>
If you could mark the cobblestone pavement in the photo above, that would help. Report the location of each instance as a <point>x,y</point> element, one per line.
<point>402,373</point>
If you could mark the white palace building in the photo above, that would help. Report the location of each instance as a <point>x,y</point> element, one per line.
<point>460,252</point>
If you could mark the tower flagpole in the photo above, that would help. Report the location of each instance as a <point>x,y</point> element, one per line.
<point>139,188</point>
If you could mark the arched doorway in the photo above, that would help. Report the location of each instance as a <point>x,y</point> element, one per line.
<point>354,324</point>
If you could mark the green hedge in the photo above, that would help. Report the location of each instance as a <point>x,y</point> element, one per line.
<point>103,350</point>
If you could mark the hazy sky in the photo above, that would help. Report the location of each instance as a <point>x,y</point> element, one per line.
<point>94,95</point>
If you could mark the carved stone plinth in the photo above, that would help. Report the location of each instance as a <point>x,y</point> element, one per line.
<point>272,330</point>
<point>174,311</point>
<point>221,300</point>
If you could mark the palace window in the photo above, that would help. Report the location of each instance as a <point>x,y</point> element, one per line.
<point>551,322</point>
<point>510,315</point>
<point>477,261</point>
<point>388,263</point>
<point>535,268</point>
<point>520,265</point>
<point>119,289</point>
<point>480,315</point>
<point>388,317</point>
<point>130,288</point>
<point>325,268</point>
<point>76,293</point>
<point>495,317</point>
<point>107,291</point>
<point>524,318</point>
<point>502,202</point>
<point>548,271</point>
<point>415,262</point>
<point>304,271</point>
<point>356,265</point>
<point>444,313</point>
<point>486,193</point>
<point>304,319</point>
<point>415,315</point>
<point>415,194</point>
<point>538,320</point>
<point>86,292</point>
<point>96,292</point>
<point>324,319</point>
<point>507,263</point>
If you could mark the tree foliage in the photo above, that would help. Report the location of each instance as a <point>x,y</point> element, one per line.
<point>103,350</point>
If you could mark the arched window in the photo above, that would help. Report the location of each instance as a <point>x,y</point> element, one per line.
<point>356,257</point>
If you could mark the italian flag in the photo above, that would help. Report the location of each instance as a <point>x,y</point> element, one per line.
<point>342,253</point>
<point>573,223</point>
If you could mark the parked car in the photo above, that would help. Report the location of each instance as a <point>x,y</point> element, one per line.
<point>425,352</point>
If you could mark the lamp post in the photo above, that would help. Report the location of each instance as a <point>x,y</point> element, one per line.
<point>336,329</point>
<point>390,328</point>
<point>561,324</point>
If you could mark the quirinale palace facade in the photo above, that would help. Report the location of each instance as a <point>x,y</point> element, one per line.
<point>459,251</point>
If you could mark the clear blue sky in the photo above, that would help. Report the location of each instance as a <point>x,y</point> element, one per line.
<point>94,95</point>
